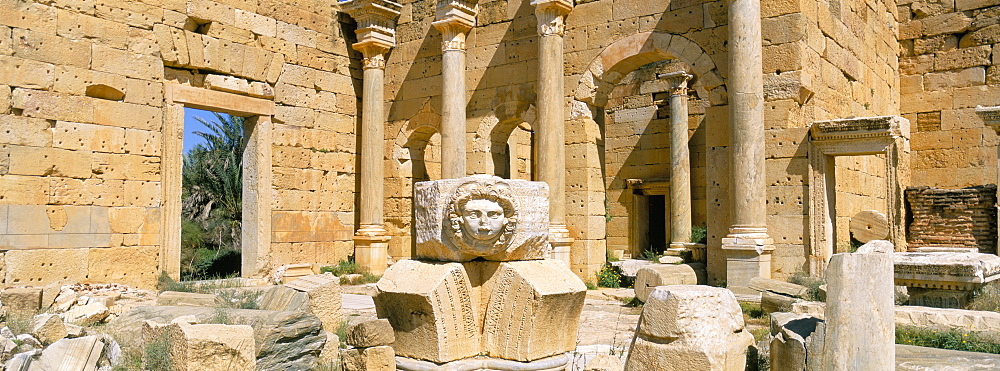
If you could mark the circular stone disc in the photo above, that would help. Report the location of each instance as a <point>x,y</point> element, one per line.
<point>870,225</point>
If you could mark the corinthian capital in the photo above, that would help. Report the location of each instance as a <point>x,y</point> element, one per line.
<point>551,16</point>
<point>678,82</point>
<point>454,19</point>
<point>376,28</point>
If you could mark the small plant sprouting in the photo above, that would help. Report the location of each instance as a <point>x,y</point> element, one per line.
<point>609,276</point>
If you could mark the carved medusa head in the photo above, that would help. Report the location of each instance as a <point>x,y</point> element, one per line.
<point>483,217</point>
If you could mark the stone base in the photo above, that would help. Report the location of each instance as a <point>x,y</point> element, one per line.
<point>748,255</point>
<point>697,250</point>
<point>939,298</point>
<point>481,363</point>
<point>561,243</point>
<point>371,249</point>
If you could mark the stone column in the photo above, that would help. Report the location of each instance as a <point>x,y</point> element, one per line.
<point>747,246</point>
<point>376,35</point>
<point>680,164</point>
<point>550,144</point>
<point>454,19</point>
<point>991,115</point>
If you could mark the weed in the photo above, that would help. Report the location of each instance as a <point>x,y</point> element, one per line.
<point>343,267</point>
<point>699,234</point>
<point>165,283</point>
<point>609,276</point>
<point>812,283</point>
<point>241,299</point>
<point>651,255</point>
<point>986,298</point>
<point>955,339</point>
<point>156,355</point>
<point>760,333</point>
<point>610,255</point>
<point>590,285</point>
<point>20,321</point>
<point>752,310</point>
<point>632,302</point>
<point>221,316</point>
<point>342,330</point>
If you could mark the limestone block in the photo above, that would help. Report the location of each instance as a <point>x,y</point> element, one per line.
<point>53,106</point>
<point>963,58</point>
<point>797,342</point>
<point>772,302</point>
<point>48,328</point>
<point>947,318</point>
<point>211,347</point>
<point>256,23</point>
<point>66,299</point>
<point>43,47</point>
<point>22,298</point>
<point>780,287</point>
<point>371,333</point>
<point>435,316</point>
<point>945,24</point>
<point>127,115</point>
<point>86,315</point>
<point>513,225</point>
<point>74,136</point>
<point>380,358</point>
<point>331,350</point>
<point>532,308</point>
<point>25,131</point>
<point>860,285</point>
<point>686,327</point>
<point>71,354</point>
<point>134,65</point>
<point>187,298</point>
<point>26,73</point>
<point>869,225</point>
<point>650,276</point>
<point>324,295</point>
<point>281,298</point>
<point>604,362</point>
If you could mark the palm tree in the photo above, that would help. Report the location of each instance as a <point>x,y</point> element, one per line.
<point>212,196</point>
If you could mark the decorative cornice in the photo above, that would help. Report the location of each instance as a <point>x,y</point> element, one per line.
<point>551,16</point>
<point>454,19</point>
<point>991,115</point>
<point>678,82</point>
<point>864,127</point>
<point>376,25</point>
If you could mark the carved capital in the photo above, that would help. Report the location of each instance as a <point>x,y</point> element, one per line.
<point>454,19</point>
<point>678,82</point>
<point>551,16</point>
<point>376,24</point>
<point>991,115</point>
<point>373,61</point>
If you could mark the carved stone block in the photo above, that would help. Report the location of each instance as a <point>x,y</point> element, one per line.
<point>481,216</point>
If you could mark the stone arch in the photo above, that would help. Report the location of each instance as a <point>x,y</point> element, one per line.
<point>502,137</point>
<point>634,51</point>
<point>415,150</point>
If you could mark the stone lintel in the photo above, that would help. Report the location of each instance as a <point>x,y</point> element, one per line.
<point>217,101</point>
<point>656,186</point>
<point>991,115</point>
<point>863,127</point>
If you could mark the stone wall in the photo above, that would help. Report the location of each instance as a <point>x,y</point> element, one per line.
<point>953,217</point>
<point>83,114</point>
<point>949,64</point>
<point>861,185</point>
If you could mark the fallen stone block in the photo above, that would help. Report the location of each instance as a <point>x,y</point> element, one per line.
<point>48,328</point>
<point>324,295</point>
<point>282,298</point>
<point>283,340</point>
<point>86,315</point>
<point>66,299</point>
<point>211,347</point>
<point>380,358</point>
<point>22,298</point>
<point>331,351</point>
<point>370,334</point>
<point>71,354</point>
<point>650,276</point>
<point>687,327</point>
<point>604,362</point>
<point>797,341</point>
<point>779,287</point>
<point>771,302</point>
<point>178,298</point>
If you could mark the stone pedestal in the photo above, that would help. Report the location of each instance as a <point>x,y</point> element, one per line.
<point>944,279</point>
<point>747,256</point>
<point>454,19</point>
<point>376,35</point>
<point>550,148</point>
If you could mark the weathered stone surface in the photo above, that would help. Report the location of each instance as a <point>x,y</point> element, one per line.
<point>604,362</point>
<point>380,358</point>
<point>283,339</point>
<point>685,327</point>
<point>211,347</point>
<point>71,354</point>
<point>771,302</point>
<point>323,291</point>
<point>779,287</point>
<point>939,318</point>
<point>869,225</point>
<point>48,328</point>
<point>651,276</point>
<point>331,350</point>
<point>532,308</point>
<point>448,228</point>
<point>860,286</point>
<point>85,315</point>
<point>22,298</point>
<point>371,333</point>
<point>283,298</point>
<point>435,317</point>
<point>913,358</point>
<point>177,298</point>
<point>797,342</point>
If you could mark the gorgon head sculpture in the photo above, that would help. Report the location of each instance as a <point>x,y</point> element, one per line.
<point>483,217</point>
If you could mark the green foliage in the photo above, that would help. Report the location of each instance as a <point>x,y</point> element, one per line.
<point>590,285</point>
<point>157,353</point>
<point>343,267</point>
<point>955,339</point>
<point>632,302</point>
<point>212,207</point>
<point>221,316</point>
<point>241,299</point>
<point>609,276</point>
<point>20,321</point>
<point>760,333</point>
<point>651,255</point>
<point>986,298</point>
<point>165,283</point>
<point>813,283</point>
<point>610,255</point>
<point>699,234</point>
<point>607,211</point>
<point>752,310</point>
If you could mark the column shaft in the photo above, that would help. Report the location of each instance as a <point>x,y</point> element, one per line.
<point>453,113</point>
<point>372,148</point>
<point>680,172</point>
<point>746,105</point>
<point>551,146</point>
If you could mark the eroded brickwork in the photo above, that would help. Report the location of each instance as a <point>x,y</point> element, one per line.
<point>964,217</point>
